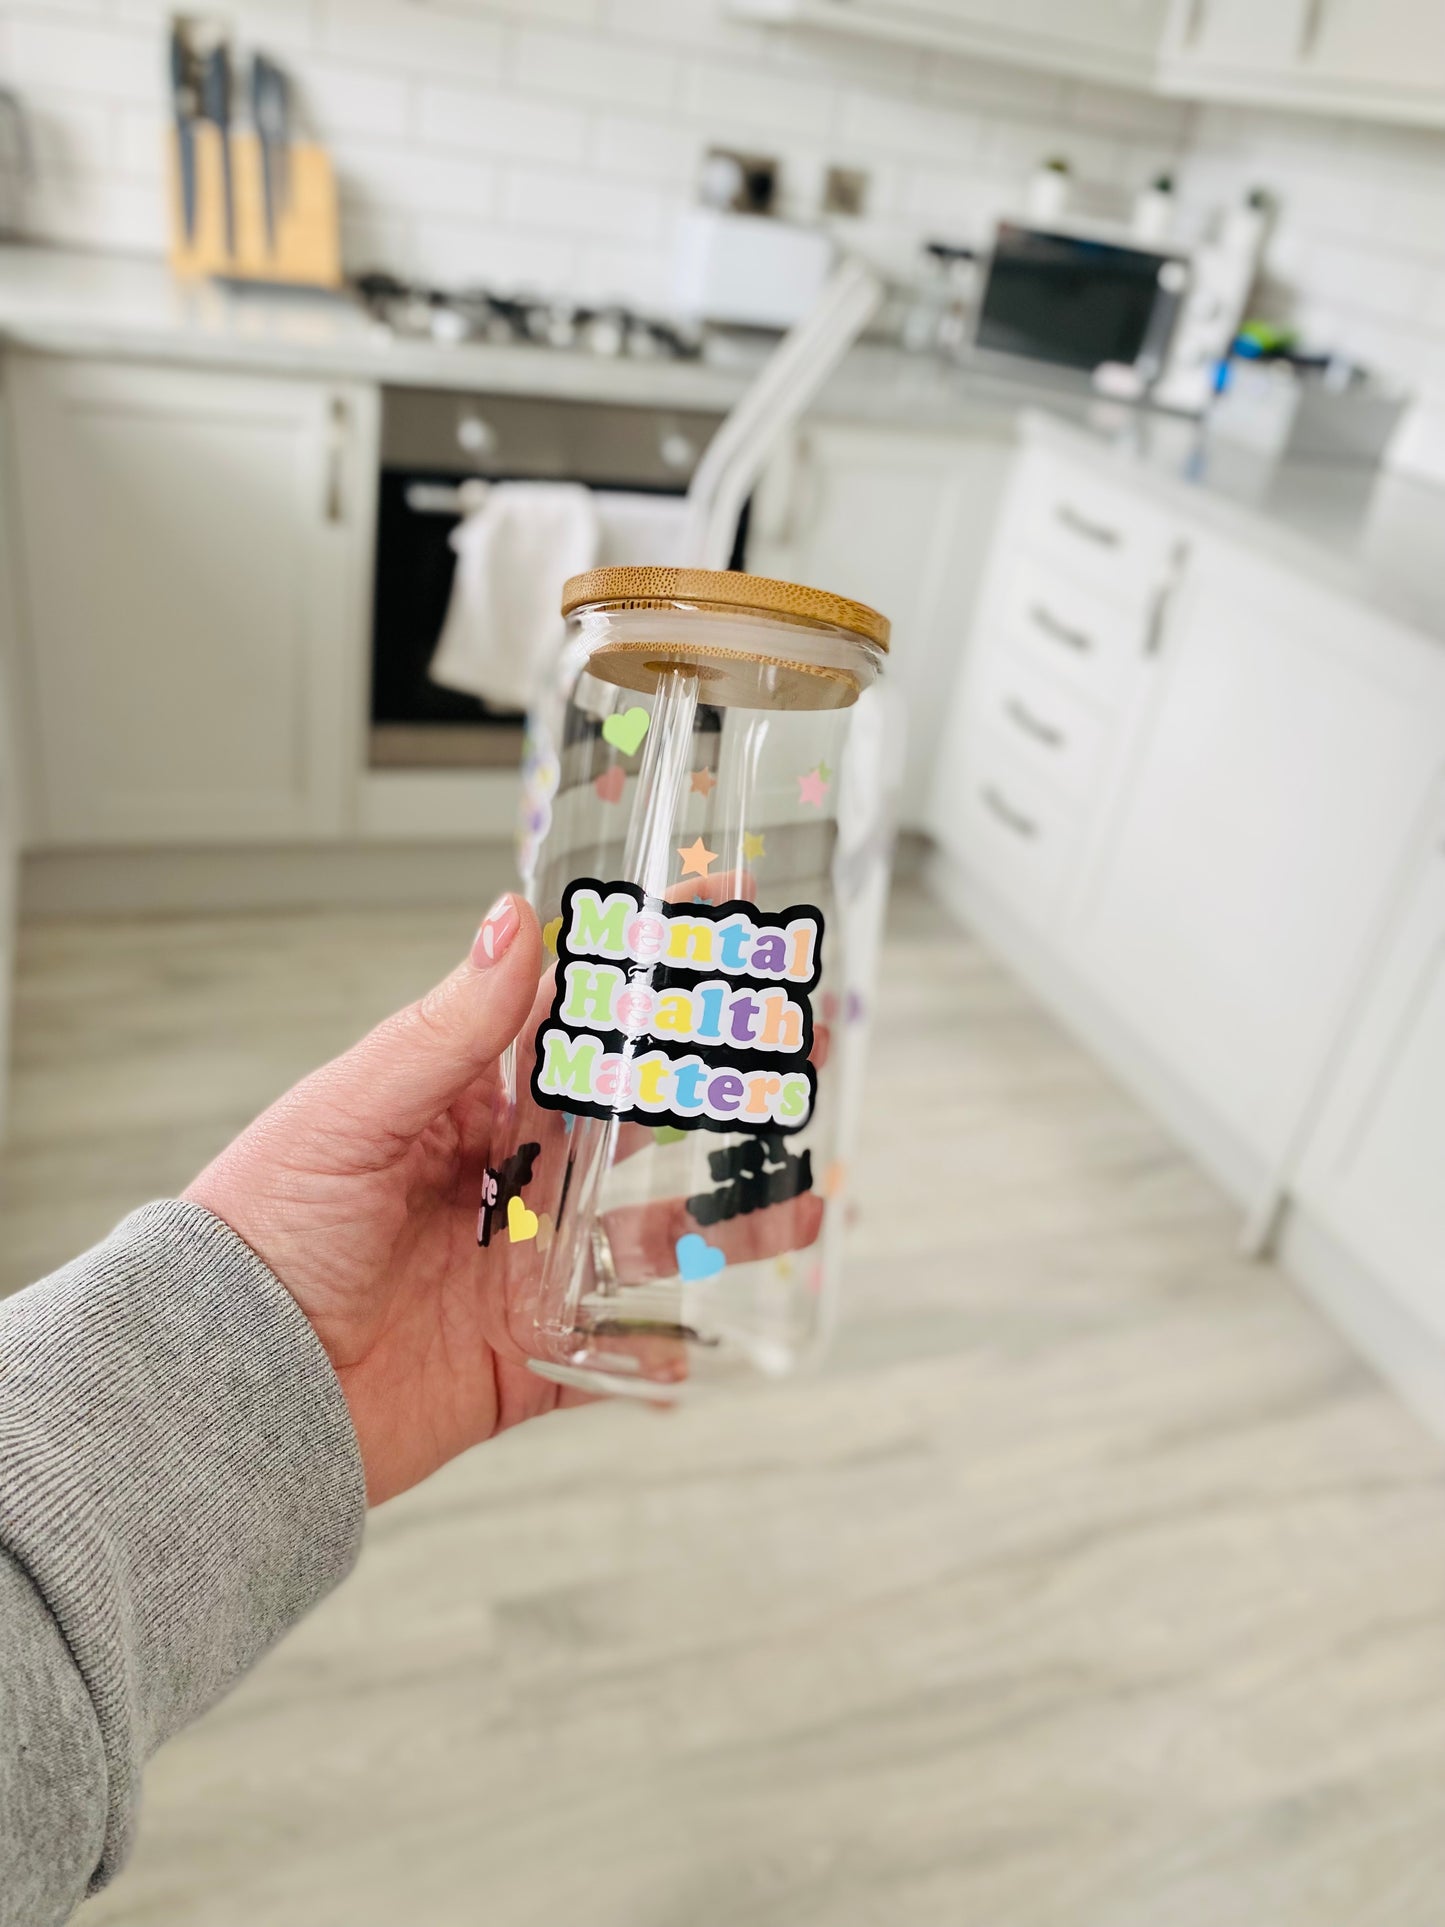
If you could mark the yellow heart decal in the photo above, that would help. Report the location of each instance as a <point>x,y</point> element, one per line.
<point>550,933</point>
<point>521,1223</point>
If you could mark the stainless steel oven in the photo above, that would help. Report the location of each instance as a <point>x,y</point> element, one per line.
<point>432,442</point>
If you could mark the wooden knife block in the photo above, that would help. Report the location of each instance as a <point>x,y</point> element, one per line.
<point>308,230</point>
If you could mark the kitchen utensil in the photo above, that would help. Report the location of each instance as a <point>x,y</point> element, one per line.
<point>216,108</point>
<point>186,105</point>
<point>705,838</point>
<point>270,116</point>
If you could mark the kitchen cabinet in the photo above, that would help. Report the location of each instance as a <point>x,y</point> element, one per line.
<point>1242,35</point>
<point>1371,1174</point>
<point>1377,59</point>
<point>1065,622</point>
<point>1141,798</point>
<point>903,522</point>
<point>194,552</point>
<point>1115,40</point>
<point>1395,44</point>
<point>1380,59</point>
<point>1274,772</point>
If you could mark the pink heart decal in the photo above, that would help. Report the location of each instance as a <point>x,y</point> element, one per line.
<point>611,783</point>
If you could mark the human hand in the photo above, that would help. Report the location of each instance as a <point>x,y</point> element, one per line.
<point>359,1189</point>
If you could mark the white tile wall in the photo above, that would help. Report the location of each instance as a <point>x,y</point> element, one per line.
<point>554,142</point>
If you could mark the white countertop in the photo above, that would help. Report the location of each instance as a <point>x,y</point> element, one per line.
<point>1361,531</point>
<point>1369,534</point>
<point>57,301</point>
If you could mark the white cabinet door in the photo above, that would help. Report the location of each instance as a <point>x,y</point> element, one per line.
<point>194,548</point>
<point>902,522</point>
<point>1276,773</point>
<point>1114,40</point>
<point>1373,1172</point>
<point>1388,43</point>
<point>1255,37</point>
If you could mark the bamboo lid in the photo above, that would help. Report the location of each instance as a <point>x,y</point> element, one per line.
<point>648,588</point>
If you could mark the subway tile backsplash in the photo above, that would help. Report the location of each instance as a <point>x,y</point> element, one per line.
<point>554,143</point>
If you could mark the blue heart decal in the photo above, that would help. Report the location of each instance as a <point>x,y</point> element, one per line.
<point>696,1258</point>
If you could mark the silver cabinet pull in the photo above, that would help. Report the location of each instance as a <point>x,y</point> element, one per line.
<point>1011,818</point>
<point>1022,717</point>
<point>1045,619</point>
<point>1154,629</point>
<point>1079,524</point>
<point>335,504</point>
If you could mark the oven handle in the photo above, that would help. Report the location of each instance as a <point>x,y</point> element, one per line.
<point>443,498</point>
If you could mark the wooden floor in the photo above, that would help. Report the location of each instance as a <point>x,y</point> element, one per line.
<point>1094,1585</point>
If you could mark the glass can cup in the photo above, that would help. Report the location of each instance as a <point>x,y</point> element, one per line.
<point>705,835</point>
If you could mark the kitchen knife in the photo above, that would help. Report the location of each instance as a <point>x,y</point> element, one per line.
<point>264,103</point>
<point>216,108</point>
<point>281,119</point>
<point>185,103</point>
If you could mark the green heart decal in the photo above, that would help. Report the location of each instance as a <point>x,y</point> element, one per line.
<point>626,729</point>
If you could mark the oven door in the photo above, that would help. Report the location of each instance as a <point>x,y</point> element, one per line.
<point>432,442</point>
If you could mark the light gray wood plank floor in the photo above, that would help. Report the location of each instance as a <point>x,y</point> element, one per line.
<point>1094,1584</point>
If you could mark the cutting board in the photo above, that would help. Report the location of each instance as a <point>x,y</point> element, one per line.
<point>307,251</point>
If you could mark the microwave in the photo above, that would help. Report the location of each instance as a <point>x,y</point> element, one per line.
<point>1077,302</point>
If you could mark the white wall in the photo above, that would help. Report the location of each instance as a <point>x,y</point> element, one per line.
<point>553,142</point>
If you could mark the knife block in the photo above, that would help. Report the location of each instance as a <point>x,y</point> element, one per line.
<point>307,250</point>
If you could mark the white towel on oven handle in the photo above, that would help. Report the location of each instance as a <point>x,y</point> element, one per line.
<point>635,528</point>
<point>514,551</point>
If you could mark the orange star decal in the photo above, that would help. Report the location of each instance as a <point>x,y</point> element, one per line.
<point>697,859</point>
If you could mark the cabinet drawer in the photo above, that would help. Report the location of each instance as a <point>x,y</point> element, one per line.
<point>1016,833</point>
<point>1087,638</point>
<point>1104,536</point>
<point>1049,728</point>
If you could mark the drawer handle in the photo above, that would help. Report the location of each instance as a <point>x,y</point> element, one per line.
<point>1045,619</point>
<point>1023,718</point>
<point>1158,624</point>
<point>334,508</point>
<point>1011,818</point>
<point>1078,524</point>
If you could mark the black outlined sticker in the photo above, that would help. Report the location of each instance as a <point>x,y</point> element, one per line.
<point>695,1015</point>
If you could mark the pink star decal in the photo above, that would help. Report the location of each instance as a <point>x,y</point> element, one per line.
<point>811,788</point>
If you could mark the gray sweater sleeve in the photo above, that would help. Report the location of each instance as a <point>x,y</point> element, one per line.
<point>179,1483</point>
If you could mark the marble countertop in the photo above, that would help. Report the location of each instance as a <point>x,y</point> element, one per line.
<point>1365,532</point>
<point>55,300</point>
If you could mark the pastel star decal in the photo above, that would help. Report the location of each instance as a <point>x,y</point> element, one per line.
<point>703,782</point>
<point>697,859</point>
<point>811,788</point>
<point>753,845</point>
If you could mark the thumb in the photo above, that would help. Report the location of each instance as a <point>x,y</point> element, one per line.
<point>418,1062</point>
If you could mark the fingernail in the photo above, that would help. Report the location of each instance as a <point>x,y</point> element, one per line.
<point>499,926</point>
